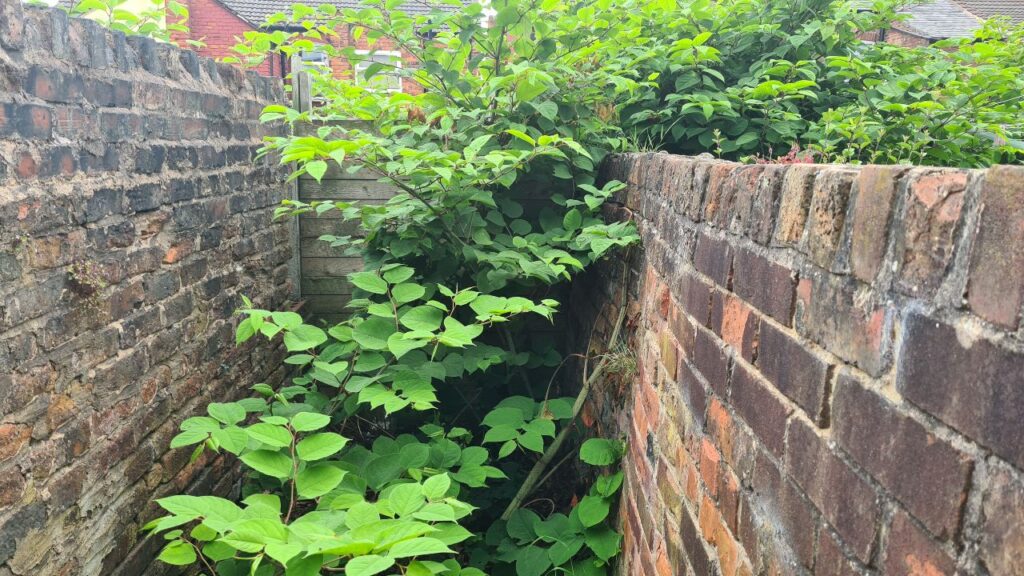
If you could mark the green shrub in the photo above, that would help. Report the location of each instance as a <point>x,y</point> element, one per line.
<point>414,432</point>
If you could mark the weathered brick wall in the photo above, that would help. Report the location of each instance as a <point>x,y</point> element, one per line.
<point>132,216</point>
<point>831,368</point>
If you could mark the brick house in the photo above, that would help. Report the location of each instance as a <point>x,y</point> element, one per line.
<point>934,20</point>
<point>221,23</point>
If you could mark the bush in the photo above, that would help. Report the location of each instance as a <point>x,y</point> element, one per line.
<point>414,432</point>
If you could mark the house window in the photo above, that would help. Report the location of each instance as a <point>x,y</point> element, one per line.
<point>386,76</point>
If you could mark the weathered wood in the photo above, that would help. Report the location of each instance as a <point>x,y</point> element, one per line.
<point>344,189</point>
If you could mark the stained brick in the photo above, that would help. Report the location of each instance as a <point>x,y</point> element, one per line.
<point>924,472</point>
<point>768,286</point>
<point>793,370</point>
<point>760,408</point>
<point>711,361</point>
<point>737,325</point>
<point>764,203</point>
<point>823,476</point>
<point>925,249</point>
<point>778,516</point>
<point>872,214</point>
<point>911,551</point>
<point>713,258</point>
<point>830,560</point>
<point>827,214</point>
<point>797,187</point>
<point>966,381</point>
<point>1002,530</point>
<point>839,313</point>
<point>995,289</point>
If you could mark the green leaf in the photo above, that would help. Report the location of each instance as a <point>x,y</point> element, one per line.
<point>600,452</point>
<point>373,333</point>
<point>398,274</point>
<point>522,136</point>
<point>318,480</point>
<point>178,553</point>
<point>316,169</point>
<point>419,547</point>
<point>603,541</point>
<point>547,109</point>
<point>399,345</point>
<point>403,293</point>
<point>228,413</point>
<point>572,220</point>
<point>370,282</point>
<point>405,499</point>
<point>435,487</point>
<point>309,421</point>
<point>592,510</point>
<point>320,446</point>
<point>426,318</point>
<point>504,416</point>
<point>368,565</point>
<point>269,462</point>
<point>532,561</point>
<point>304,337</point>
<point>269,434</point>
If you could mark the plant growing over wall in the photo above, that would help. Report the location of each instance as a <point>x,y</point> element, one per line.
<point>152,18</point>
<point>416,430</point>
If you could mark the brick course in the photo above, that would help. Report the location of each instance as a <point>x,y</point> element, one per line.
<point>849,367</point>
<point>132,218</point>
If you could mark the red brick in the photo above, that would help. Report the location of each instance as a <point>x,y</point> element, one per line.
<point>767,286</point>
<point>965,380</point>
<point>719,193</point>
<point>924,472</point>
<point>1002,530</point>
<point>693,545</point>
<point>911,553</point>
<point>838,313</point>
<point>824,477</point>
<point>797,187</point>
<point>713,258</point>
<point>760,408</point>
<point>692,392</point>
<point>995,288</point>
<point>711,361</point>
<point>793,370</point>
<point>872,212</point>
<point>827,214</point>
<point>761,218</point>
<point>710,466</point>
<point>830,560</point>
<point>780,514</point>
<point>738,327</point>
<point>696,298</point>
<point>720,427</point>
<point>924,251</point>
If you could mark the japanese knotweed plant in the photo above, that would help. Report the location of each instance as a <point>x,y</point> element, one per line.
<point>414,431</point>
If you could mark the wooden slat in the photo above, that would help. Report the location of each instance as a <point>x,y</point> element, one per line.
<point>333,267</point>
<point>344,189</point>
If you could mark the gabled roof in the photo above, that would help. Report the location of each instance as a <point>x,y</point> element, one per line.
<point>1014,9</point>
<point>938,19</point>
<point>255,12</point>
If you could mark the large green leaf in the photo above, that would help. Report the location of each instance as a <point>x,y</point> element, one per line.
<point>319,446</point>
<point>269,462</point>
<point>318,480</point>
<point>368,565</point>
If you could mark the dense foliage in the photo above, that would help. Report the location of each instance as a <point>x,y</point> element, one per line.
<point>352,468</point>
<point>413,433</point>
<point>744,78</point>
<point>153,18</point>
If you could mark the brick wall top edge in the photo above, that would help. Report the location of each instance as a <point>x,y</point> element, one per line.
<point>951,237</point>
<point>36,34</point>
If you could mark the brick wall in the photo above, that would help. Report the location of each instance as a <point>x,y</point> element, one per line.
<point>831,368</point>
<point>132,216</point>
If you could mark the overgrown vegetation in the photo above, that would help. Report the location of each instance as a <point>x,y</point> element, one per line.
<point>415,434</point>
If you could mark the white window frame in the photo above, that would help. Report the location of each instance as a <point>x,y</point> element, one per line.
<point>395,55</point>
